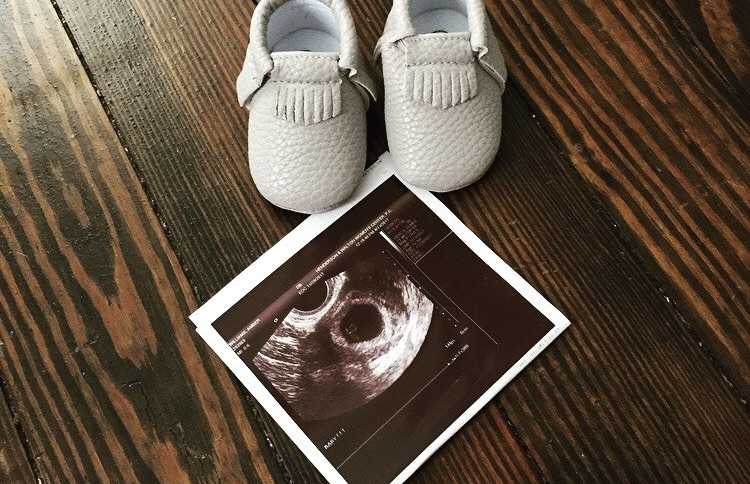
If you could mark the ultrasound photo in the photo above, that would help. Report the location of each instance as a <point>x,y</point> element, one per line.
<point>332,359</point>
<point>374,335</point>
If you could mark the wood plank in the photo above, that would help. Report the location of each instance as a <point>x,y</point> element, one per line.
<point>649,104</point>
<point>629,362</point>
<point>108,375</point>
<point>720,32</point>
<point>14,462</point>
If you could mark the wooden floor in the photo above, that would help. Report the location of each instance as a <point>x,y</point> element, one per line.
<point>621,192</point>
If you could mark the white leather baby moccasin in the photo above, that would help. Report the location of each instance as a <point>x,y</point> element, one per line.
<point>444,77</point>
<point>307,90</point>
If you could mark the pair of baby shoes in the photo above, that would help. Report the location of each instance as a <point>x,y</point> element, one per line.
<point>307,88</point>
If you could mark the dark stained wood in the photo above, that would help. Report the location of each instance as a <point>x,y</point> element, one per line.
<point>651,104</point>
<point>109,381</point>
<point>627,394</point>
<point>720,31</point>
<point>480,453</point>
<point>14,461</point>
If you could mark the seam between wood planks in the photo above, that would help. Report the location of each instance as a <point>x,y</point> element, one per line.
<point>516,433</point>
<point>20,430</point>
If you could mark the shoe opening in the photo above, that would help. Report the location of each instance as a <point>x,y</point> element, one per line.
<point>303,25</point>
<point>435,16</point>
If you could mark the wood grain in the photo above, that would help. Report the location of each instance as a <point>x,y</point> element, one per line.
<point>108,380</point>
<point>15,464</point>
<point>627,394</point>
<point>650,106</point>
<point>720,32</point>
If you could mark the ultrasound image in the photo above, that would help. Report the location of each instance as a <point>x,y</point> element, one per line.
<point>366,332</point>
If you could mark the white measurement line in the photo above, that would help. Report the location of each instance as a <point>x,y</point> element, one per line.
<point>434,246</point>
<point>383,234</point>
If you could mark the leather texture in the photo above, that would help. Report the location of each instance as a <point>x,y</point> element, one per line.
<point>307,126</point>
<point>443,91</point>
